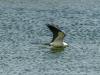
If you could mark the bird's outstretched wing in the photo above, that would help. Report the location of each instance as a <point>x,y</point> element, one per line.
<point>54,29</point>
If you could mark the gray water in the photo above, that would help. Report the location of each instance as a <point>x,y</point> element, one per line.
<point>23,35</point>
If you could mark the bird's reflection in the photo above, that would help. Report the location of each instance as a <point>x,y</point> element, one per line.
<point>57,50</point>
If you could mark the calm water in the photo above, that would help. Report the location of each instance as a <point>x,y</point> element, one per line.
<point>23,35</point>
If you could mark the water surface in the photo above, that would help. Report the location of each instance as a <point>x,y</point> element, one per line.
<point>23,35</point>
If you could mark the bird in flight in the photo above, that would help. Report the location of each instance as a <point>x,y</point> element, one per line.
<point>58,36</point>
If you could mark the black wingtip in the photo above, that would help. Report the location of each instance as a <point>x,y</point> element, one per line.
<point>48,25</point>
<point>52,25</point>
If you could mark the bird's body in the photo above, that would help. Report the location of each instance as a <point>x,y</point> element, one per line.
<point>58,44</point>
<point>58,37</point>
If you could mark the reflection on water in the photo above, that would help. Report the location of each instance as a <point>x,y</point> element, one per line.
<point>57,50</point>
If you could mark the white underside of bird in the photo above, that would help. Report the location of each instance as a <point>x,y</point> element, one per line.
<point>59,44</point>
